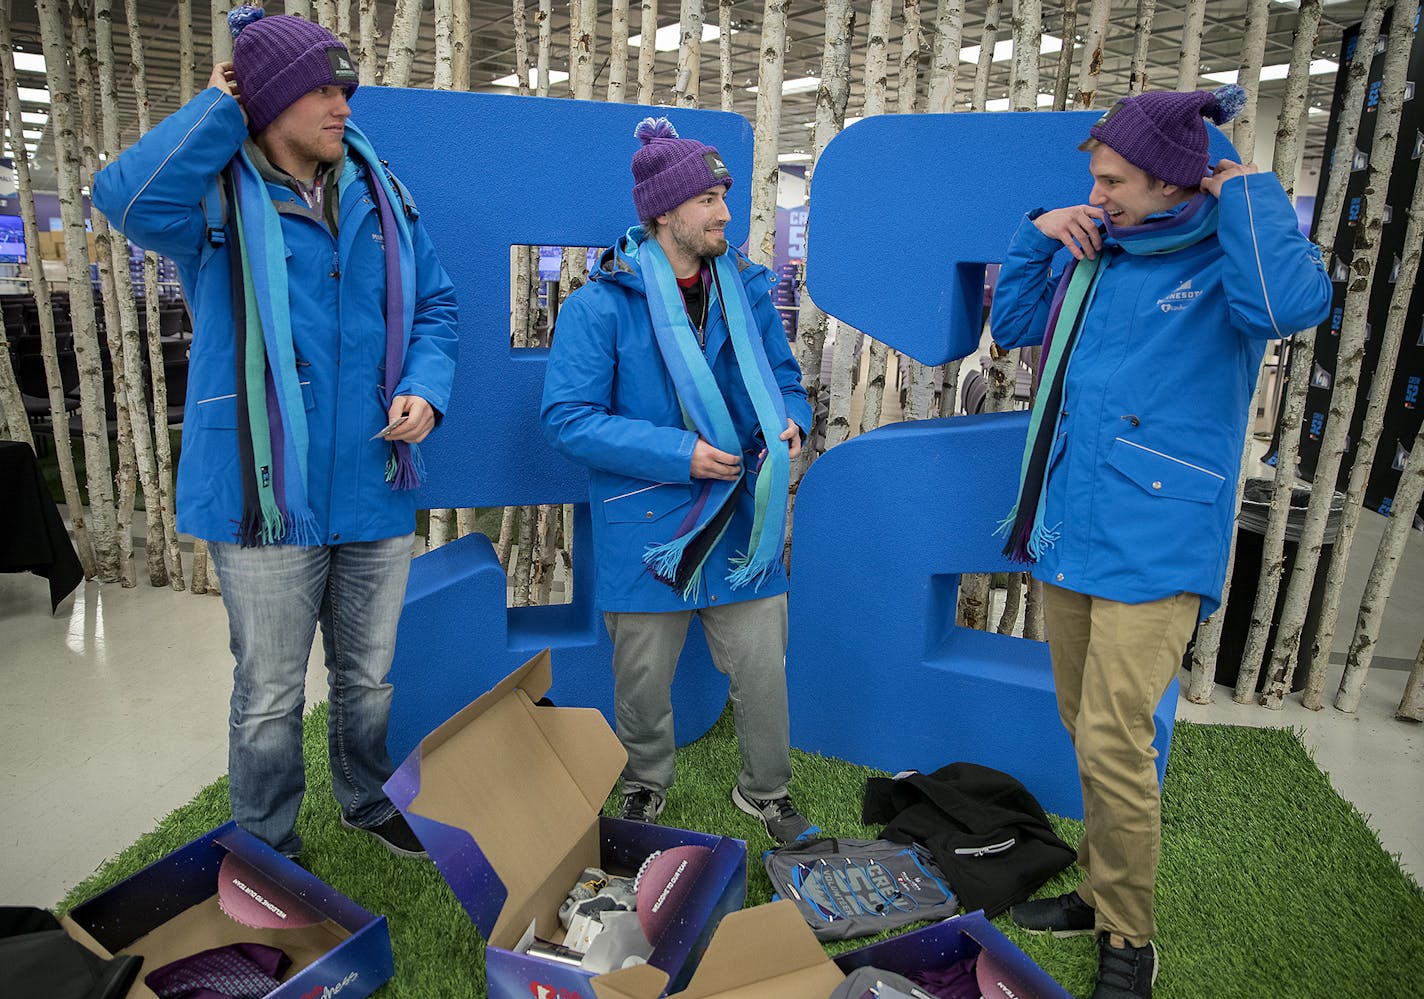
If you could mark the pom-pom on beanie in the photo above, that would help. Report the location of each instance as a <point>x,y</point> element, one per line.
<point>667,170</point>
<point>280,58</point>
<point>1163,131</point>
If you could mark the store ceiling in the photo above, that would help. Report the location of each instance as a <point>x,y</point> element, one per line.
<point>492,54</point>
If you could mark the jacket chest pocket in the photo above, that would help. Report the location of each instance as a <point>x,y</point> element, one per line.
<point>1159,474</point>
<point>647,504</point>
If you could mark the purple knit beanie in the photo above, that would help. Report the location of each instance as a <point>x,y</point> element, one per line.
<point>280,58</point>
<point>668,170</point>
<point>1162,131</point>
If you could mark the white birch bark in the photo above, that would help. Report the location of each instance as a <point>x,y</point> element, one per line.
<point>444,45</point>
<point>1142,36</point>
<point>1013,602</point>
<point>440,528</point>
<point>907,82</point>
<point>1033,610</point>
<point>343,23</point>
<point>580,51</point>
<point>400,50</point>
<point>508,529</point>
<point>647,52</point>
<point>368,58</point>
<point>1363,265</point>
<point>1253,56</point>
<point>299,8</point>
<point>944,57</point>
<point>1189,58</point>
<point>185,50</point>
<point>1411,705</point>
<point>521,48</point>
<point>1302,354</point>
<point>324,14</point>
<point>542,578</point>
<point>1090,70</point>
<point>1063,76</point>
<point>460,45</point>
<point>82,29</point>
<point>985,66</point>
<point>465,522</point>
<point>102,514</point>
<point>545,18</point>
<point>724,53</point>
<point>689,55</point>
<point>1381,380</point>
<point>39,285</point>
<point>221,36</point>
<point>1027,23</point>
<point>761,234</point>
<point>1288,125</point>
<point>1381,578</point>
<point>523,555</point>
<point>618,53</point>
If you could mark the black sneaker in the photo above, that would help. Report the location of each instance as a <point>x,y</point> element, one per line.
<point>642,805</point>
<point>1125,972</point>
<point>394,834</point>
<point>1063,916</point>
<point>782,821</point>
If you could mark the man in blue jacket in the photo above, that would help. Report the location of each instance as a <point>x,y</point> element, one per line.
<point>323,350</point>
<point>670,378</point>
<point>1153,336</point>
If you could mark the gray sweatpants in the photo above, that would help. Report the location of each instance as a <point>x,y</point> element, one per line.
<point>748,643</point>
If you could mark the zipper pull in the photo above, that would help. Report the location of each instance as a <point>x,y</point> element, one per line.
<point>981,851</point>
<point>335,265</point>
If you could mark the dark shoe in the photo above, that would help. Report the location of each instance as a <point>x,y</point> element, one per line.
<point>1125,972</point>
<point>394,834</point>
<point>1063,916</point>
<point>642,805</point>
<point>782,821</point>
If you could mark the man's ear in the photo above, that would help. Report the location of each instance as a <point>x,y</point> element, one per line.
<point>1170,190</point>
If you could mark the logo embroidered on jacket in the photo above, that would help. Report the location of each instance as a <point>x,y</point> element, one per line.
<point>1180,297</point>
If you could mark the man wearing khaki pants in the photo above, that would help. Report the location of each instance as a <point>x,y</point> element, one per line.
<point>1177,274</point>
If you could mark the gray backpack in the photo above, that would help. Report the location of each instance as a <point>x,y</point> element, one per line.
<point>858,887</point>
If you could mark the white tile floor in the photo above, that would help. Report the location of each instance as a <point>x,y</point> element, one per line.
<point>114,710</point>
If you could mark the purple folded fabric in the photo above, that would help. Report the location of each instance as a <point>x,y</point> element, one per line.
<point>957,981</point>
<point>237,971</point>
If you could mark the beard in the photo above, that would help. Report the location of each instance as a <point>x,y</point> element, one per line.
<point>697,241</point>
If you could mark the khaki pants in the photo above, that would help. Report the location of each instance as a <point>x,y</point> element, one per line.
<point>1111,664</point>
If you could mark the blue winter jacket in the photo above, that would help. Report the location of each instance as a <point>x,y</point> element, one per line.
<point>1142,476</point>
<point>154,193</point>
<point>609,404</point>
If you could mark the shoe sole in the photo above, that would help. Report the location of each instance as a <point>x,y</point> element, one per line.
<point>1060,934</point>
<point>421,855</point>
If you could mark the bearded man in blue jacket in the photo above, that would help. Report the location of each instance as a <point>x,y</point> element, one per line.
<point>1153,337</point>
<point>670,378</point>
<point>323,350</point>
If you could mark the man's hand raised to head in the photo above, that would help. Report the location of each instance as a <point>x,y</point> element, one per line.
<point>225,78</point>
<point>1223,171</point>
<point>1075,227</point>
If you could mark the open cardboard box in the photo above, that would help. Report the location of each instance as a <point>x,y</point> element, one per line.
<point>170,910</point>
<point>506,797</point>
<point>768,952</point>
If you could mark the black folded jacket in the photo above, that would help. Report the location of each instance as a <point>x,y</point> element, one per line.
<point>38,960</point>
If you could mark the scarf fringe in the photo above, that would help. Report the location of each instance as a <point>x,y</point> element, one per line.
<point>405,471</point>
<point>663,560</point>
<point>746,572</point>
<point>301,530</point>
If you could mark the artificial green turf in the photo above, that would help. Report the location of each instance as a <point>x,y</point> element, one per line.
<point>1270,884</point>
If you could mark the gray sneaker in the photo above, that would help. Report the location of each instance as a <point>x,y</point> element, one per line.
<point>641,805</point>
<point>782,821</point>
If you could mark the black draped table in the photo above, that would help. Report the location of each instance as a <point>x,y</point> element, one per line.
<point>32,534</point>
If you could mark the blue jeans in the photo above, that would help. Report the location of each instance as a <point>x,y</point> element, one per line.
<point>275,596</point>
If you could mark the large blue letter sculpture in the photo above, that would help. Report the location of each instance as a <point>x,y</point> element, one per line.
<point>491,171</point>
<point>886,523</point>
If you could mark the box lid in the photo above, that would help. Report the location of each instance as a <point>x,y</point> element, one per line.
<point>765,952</point>
<point>505,790</point>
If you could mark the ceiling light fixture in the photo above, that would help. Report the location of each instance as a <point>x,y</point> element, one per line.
<point>555,76</point>
<point>1004,49</point>
<point>1318,67</point>
<point>668,38</point>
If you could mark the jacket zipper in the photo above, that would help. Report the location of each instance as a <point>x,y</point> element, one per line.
<point>982,851</point>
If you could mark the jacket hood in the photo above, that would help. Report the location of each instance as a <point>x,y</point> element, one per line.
<point>618,264</point>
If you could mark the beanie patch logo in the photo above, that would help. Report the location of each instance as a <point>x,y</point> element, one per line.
<point>716,166</point>
<point>342,71</point>
<point>1107,116</point>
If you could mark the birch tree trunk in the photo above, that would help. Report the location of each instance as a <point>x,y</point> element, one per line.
<point>1189,60</point>
<point>1381,578</point>
<point>1033,610</point>
<point>1302,354</point>
<point>1253,56</point>
<point>724,52</point>
<point>102,515</point>
<point>1411,705</point>
<point>299,8</point>
<point>221,36</point>
<point>444,45</point>
<point>343,22</point>
<point>647,51</point>
<point>581,72</point>
<point>1363,264</point>
<point>1063,78</point>
<point>521,48</point>
<point>508,527</point>
<point>460,45</point>
<point>1027,31</point>
<point>1012,603</point>
<point>907,83</point>
<point>1142,36</point>
<point>761,234</point>
<point>523,556</point>
<point>546,44</point>
<point>82,30</point>
<point>185,50</point>
<point>618,53</point>
<point>400,51</point>
<point>944,60</point>
<point>1381,381</point>
<point>985,66</point>
<point>1092,66</point>
<point>689,55</point>
<point>368,59</point>
<point>324,14</point>
<point>440,527</point>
